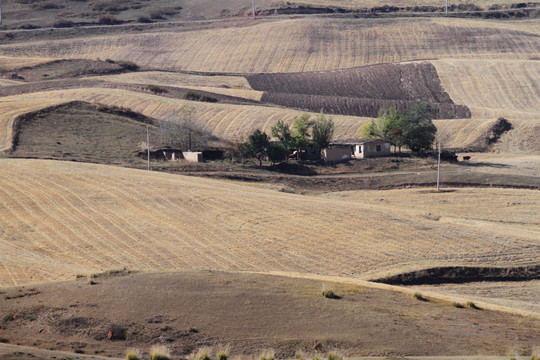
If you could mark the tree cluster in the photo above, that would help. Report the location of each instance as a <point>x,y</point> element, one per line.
<point>413,127</point>
<point>260,146</point>
<point>185,134</point>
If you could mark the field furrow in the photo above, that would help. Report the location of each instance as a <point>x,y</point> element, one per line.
<point>301,44</point>
<point>103,217</point>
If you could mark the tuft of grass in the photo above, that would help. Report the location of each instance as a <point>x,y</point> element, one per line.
<point>133,354</point>
<point>458,305</point>
<point>159,352</point>
<point>419,297</point>
<point>79,276</point>
<point>333,356</point>
<point>222,356</point>
<point>91,282</point>
<point>203,356</point>
<point>267,355</point>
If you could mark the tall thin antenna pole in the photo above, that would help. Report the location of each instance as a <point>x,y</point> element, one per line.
<point>253,4</point>
<point>439,167</point>
<point>446,7</point>
<point>148,144</point>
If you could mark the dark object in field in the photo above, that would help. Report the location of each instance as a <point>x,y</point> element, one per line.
<point>466,158</point>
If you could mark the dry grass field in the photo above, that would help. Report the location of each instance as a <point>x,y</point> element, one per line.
<point>301,44</point>
<point>60,219</point>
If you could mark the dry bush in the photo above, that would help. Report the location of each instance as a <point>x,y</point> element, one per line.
<point>133,354</point>
<point>159,352</point>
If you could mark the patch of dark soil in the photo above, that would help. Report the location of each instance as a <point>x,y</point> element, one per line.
<point>252,312</point>
<point>523,10</point>
<point>462,274</point>
<point>80,131</point>
<point>360,91</point>
<point>295,168</point>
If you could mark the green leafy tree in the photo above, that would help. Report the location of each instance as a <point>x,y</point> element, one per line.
<point>277,152</point>
<point>257,145</point>
<point>370,130</point>
<point>283,133</point>
<point>418,130</point>
<point>322,131</point>
<point>389,126</point>
<point>301,127</point>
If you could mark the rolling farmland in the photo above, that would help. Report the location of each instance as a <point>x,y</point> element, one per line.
<point>230,122</point>
<point>60,219</point>
<point>300,45</point>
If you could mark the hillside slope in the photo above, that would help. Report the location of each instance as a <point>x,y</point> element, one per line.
<point>300,45</point>
<point>59,219</point>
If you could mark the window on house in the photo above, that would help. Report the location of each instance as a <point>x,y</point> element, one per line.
<point>378,147</point>
<point>359,149</point>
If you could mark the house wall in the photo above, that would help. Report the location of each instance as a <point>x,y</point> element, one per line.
<point>369,149</point>
<point>193,156</point>
<point>376,148</point>
<point>336,154</point>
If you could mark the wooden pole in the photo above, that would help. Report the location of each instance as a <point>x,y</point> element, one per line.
<point>253,4</point>
<point>148,145</point>
<point>439,167</point>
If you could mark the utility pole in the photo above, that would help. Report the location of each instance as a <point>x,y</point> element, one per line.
<point>439,167</point>
<point>0,12</point>
<point>147,144</point>
<point>253,4</point>
<point>446,7</point>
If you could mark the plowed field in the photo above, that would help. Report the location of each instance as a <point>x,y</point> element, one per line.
<point>361,91</point>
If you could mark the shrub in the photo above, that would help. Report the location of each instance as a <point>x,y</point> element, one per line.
<point>458,305</point>
<point>108,20</point>
<point>144,19</point>
<point>329,294</point>
<point>63,24</point>
<point>159,352</point>
<point>222,356</point>
<point>128,65</point>
<point>157,89</point>
<point>160,13</point>
<point>195,96</point>
<point>46,6</point>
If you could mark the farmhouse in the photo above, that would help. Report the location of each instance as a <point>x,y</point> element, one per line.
<point>168,153</point>
<point>343,150</point>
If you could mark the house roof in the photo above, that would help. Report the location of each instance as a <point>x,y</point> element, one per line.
<point>346,142</point>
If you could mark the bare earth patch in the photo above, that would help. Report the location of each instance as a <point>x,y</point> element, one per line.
<point>250,313</point>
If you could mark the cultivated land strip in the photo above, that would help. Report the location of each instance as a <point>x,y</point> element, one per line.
<point>325,44</point>
<point>70,218</point>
